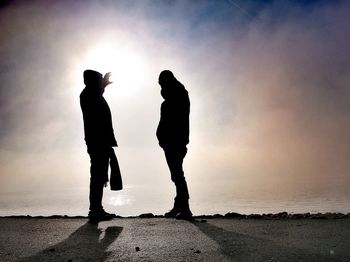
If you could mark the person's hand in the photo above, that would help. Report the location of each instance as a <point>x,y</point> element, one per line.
<point>105,80</point>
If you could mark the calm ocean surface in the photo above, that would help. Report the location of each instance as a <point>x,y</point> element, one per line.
<point>137,200</point>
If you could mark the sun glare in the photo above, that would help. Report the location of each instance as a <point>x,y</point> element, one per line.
<point>128,68</point>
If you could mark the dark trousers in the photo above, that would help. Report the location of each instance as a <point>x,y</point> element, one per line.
<point>174,157</point>
<point>99,159</point>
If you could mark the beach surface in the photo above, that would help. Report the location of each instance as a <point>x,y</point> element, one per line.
<point>161,239</point>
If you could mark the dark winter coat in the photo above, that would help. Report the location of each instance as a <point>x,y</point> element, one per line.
<point>173,129</point>
<point>98,127</point>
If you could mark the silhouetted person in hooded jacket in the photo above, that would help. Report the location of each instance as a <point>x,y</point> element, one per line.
<point>99,138</point>
<point>173,136</point>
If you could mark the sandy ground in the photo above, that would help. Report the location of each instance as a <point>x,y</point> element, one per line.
<point>160,239</point>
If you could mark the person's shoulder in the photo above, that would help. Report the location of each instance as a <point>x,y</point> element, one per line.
<point>86,96</point>
<point>183,91</point>
<point>83,93</point>
<point>180,85</point>
<point>181,88</point>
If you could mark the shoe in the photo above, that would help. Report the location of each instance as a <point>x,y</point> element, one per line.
<point>95,217</point>
<point>175,210</point>
<point>108,214</point>
<point>172,213</point>
<point>185,215</point>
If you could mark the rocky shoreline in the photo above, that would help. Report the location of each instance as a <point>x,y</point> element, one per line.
<point>229,215</point>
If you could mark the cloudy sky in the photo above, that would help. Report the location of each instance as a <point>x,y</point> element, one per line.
<point>268,83</point>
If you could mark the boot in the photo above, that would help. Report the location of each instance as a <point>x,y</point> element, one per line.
<point>175,210</point>
<point>100,215</point>
<point>185,212</point>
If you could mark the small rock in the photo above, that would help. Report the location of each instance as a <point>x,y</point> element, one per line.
<point>255,216</point>
<point>234,215</point>
<point>282,215</point>
<point>297,216</point>
<point>55,216</point>
<point>146,215</point>
<point>137,249</point>
<point>306,215</point>
<point>319,216</point>
<point>336,215</point>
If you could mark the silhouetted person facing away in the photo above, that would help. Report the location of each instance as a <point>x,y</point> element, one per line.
<point>99,138</point>
<point>173,136</point>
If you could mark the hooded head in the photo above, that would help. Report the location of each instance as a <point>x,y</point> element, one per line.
<point>92,79</point>
<point>171,88</point>
<point>166,77</point>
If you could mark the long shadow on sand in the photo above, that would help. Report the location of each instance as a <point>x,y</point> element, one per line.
<point>241,247</point>
<point>85,244</point>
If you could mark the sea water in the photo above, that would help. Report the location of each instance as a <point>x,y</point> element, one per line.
<point>138,199</point>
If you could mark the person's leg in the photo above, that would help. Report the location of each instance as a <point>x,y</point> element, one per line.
<point>174,157</point>
<point>99,172</point>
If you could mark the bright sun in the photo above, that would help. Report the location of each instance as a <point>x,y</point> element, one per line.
<point>127,66</point>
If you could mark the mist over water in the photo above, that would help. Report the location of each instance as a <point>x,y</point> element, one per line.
<point>130,202</point>
<point>270,114</point>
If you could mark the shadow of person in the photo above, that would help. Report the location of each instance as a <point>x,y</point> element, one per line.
<point>240,247</point>
<point>87,243</point>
